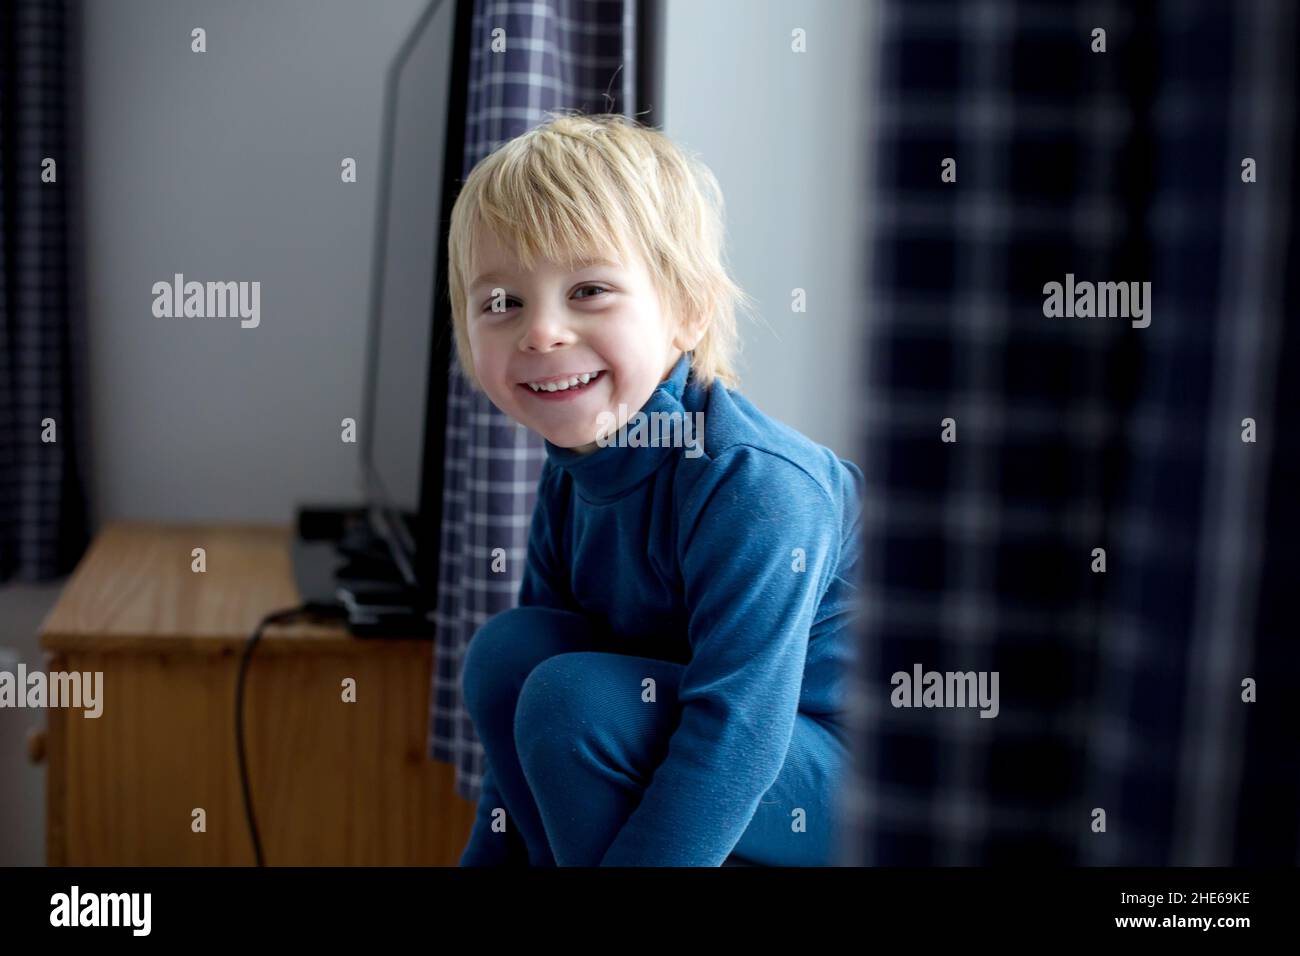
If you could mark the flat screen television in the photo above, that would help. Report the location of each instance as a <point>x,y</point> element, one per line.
<point>404,410</point>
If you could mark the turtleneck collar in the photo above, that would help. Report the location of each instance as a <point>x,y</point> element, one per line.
<point>613,470</point>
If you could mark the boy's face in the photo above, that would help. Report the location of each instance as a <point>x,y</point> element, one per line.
<point>602,320</point>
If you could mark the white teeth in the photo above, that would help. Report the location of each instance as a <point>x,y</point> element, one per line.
<point>563,386</point>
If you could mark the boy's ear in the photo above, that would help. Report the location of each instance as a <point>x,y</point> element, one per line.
<point>689,333</point>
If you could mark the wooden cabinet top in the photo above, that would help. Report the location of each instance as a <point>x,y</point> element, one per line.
<point>135,590</point>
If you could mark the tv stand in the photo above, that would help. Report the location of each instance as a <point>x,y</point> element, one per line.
<point>172,639</point>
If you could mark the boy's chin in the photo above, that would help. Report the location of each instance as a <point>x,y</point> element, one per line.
<point>583,444</point>
<point>560,437</point>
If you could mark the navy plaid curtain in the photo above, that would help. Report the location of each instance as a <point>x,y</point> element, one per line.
<point>42,496</point>
<point>560,54</point>
<point>1123,690</point>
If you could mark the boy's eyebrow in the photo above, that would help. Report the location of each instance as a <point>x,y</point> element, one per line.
<point>578,267</point>
<point>487,277</point>
<point>588,263</point>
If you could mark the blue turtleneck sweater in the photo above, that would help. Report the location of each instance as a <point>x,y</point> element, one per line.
<point>737,558</point>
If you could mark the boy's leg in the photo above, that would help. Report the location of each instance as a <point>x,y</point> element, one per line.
<point>501,655</point>
<point>488,847</point>
<point>589,746</point>
<point>797,820</point>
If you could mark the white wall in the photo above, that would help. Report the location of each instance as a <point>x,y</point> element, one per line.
<point>225,166</point>
<point>783,133</point>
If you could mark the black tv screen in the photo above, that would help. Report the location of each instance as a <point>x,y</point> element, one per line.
<point>404,419</point>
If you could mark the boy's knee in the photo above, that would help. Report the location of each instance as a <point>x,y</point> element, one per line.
<point>507,646</point>
<point>551,706</point>
<point>485,658</point>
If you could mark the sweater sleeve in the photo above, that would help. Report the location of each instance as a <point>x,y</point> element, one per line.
<point>543,583</point>
<point>751,603</point>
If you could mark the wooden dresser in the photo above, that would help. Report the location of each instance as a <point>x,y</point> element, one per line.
<point>333,782</point>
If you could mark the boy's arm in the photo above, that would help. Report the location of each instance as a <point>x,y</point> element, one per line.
<point>750,616</point>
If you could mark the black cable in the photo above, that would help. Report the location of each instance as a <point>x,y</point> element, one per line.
<point>275,617</point>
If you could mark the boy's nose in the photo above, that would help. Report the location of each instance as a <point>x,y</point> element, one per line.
<point>545,330</point>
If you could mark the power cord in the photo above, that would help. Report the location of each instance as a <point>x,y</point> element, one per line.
<point>275,617</point>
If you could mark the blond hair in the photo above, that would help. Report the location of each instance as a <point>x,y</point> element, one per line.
<point>570,188</point>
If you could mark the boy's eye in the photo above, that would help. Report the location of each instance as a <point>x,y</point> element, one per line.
<point>505,303</point>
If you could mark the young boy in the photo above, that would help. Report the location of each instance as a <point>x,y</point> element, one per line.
<point>669,690</point>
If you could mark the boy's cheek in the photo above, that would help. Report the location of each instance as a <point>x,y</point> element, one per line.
<point>484,366</point>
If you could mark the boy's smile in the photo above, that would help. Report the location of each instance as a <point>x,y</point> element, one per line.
<point>563,387</point>
<point>561,347</point>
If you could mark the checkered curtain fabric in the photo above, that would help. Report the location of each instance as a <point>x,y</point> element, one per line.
<point>1119,690</point>
<point>560,54</point>
<point>42,492</point>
